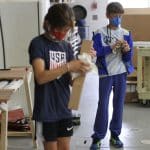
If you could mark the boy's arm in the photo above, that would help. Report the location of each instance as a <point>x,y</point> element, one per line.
<point>100,49</point>
<point>128,55</point>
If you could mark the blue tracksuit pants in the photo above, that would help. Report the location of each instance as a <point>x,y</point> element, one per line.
<point>117,83</point>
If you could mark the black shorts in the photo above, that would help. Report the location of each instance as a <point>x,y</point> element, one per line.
<point>54,130</point>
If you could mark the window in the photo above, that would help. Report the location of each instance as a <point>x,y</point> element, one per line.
<point>133,3</point>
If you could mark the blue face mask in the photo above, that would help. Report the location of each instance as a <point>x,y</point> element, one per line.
<point>116,21</point>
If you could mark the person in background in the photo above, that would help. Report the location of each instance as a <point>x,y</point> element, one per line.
<point>80,16</point>
<point>81,28</point>
<point>114,48</point>
<point>52,60</point>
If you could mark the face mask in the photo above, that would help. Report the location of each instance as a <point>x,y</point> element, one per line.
<point>59,35</point>
<point>116,21</point>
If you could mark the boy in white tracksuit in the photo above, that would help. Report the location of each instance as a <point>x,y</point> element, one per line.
<point>114,47</point>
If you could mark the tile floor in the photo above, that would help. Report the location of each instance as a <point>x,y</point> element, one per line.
<point>135,131</point>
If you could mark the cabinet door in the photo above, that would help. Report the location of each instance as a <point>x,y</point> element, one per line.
<point>20,24</point>
<point>1,49</point>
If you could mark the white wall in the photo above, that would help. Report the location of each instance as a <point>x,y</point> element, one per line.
<point>20,25</point>
<point>43,7</point>
<point>100,12</point>
<point>93,24</point>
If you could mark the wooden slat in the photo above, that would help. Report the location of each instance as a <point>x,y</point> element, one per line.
<point>4,124</point>
<point>131,82</point>
<point>12,74</point>
<point>5,94</point>
<point>15,133</point>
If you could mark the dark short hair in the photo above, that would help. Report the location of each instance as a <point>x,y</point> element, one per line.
<point>114,7</point>
<point>59,16</point>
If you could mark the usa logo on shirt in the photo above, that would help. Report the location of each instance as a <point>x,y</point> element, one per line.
<point>57,59</point>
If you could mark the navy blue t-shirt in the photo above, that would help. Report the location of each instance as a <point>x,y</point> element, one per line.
<point>51,99</point>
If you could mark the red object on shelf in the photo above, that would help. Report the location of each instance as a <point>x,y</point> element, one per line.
<point>14,115</point>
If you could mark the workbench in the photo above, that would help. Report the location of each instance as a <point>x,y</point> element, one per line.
<point>22,76</point>
<point>143,74</point>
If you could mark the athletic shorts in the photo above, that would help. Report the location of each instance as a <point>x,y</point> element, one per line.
<point>53,130</point>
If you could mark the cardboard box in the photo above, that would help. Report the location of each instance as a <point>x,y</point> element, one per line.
<point>79,81</point>
<point>137,20</point>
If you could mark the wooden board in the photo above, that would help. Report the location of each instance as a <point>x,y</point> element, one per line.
<point>12,74</point>
<point>76,92</point>
<point>79,81</point>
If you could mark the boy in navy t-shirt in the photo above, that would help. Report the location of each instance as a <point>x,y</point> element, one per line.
<point>52,60</point>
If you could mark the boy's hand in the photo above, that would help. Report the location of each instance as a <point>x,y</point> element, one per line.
<point>126,47</point>
<point>92,52</point>
<point>116,47</point>
<point>78,66</point>
<point>121,45</point>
